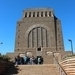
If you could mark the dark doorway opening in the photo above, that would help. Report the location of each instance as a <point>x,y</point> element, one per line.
<point>39,49</point>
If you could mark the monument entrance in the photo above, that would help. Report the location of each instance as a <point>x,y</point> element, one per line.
<point>39,52</point>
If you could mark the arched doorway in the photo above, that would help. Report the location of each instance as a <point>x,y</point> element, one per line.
<point>38,36</point>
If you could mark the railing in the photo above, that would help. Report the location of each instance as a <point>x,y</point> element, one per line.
<point>60,69</point>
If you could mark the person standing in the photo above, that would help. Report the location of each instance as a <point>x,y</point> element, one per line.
<point>25,59</point>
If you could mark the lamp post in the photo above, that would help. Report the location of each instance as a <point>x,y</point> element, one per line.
<point>71,45</point>
<point>1,43</point>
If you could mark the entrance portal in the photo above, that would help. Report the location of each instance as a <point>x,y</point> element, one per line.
<point>39,52</point>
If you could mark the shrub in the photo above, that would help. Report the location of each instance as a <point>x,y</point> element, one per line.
<point>4,57</point>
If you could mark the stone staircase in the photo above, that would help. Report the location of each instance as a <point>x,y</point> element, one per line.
<point>69,66</point>
<point>45,69</point>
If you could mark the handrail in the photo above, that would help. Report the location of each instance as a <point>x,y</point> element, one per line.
<point>60,69</point>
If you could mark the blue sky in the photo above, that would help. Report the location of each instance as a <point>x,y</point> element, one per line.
<point>11,11</point>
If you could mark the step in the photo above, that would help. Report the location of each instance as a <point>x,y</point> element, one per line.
<point>45,69</point>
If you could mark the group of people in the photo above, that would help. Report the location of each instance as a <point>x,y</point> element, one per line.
<point>28,60</point>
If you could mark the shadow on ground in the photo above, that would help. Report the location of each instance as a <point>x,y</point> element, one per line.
<point>13,70</point>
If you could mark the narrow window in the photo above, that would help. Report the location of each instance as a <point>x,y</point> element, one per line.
<point>41,14</point>
<point>19,24</point>
<point>18,49</point>
<point>58,34</point>
<point>18,42</point>
<point>18,30</point>
<point>59,41</point>
<point>26,14</point>
<point>18,36</point>
<point>29,14</point>
<point>46,14</point>
<point>59,48</point>
<point>33,14</point>
<point>37,14</point>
